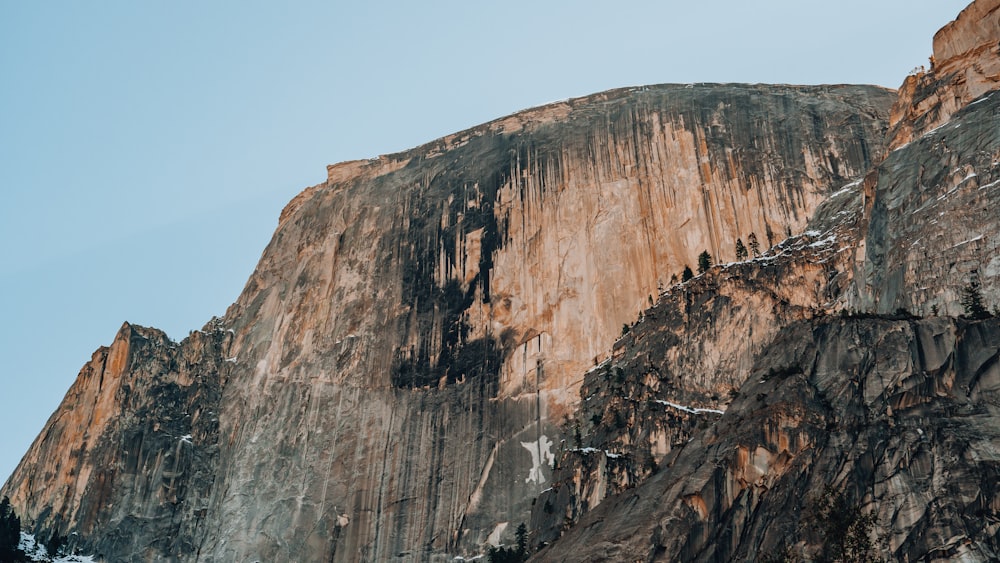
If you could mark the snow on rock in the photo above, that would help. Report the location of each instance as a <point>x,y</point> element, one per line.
<point>845,189</point>
<point>973,239</point>
<point>589,450</point>
<point>36,552</point>
<point>692,410</point>
<point>541,454</point>
<point>828,240</point>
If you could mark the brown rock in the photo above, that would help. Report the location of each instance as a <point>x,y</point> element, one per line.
<point>965,65</point>
<point>416,331</point>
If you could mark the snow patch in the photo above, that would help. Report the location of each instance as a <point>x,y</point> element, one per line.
<point>845,189</point>
<point>37,553</point>
<point>692,410</point>
<point>828,240</point>
<point>589,450</point>
<point>541,454</point>
<point>974,239</point>
<point>990,185</point>
<point>983,99</point>
<point>600,365</point>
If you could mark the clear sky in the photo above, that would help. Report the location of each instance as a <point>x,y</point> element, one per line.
<point>147,148</point>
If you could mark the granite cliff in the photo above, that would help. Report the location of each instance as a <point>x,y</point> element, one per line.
<point>882,394</point>
<point>485,330</point>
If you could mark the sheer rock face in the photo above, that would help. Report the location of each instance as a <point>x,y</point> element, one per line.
<point>391,382</point>
<point>537,236</point>
<point>900,416</point>
<point>430,350</point>
<point>934,224</point>
<point>477,270</point>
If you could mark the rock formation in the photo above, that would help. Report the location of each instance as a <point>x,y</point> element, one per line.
<point>965,65</point>
<point>745,484</point>
<point>440,344</point>
<point>899,415</point>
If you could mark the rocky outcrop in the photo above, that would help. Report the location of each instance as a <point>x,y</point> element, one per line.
<point>900,417</point>
<point>129,459</point>
<point>933,227</point>
<point>395,378</point>
<point>965,65</point>
<point>679,367</point>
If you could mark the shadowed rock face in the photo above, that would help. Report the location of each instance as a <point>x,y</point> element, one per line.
<point>393,381</point>
<point>934,224</point>
<point>900,416</point>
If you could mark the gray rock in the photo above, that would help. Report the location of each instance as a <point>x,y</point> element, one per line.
<point>899,416</point>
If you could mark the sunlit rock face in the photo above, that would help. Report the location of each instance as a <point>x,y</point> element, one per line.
<point>441,344</point>
<point>396,378</point>
<point>486,272</point>
<point>965,65</point>
<point>536,237</point>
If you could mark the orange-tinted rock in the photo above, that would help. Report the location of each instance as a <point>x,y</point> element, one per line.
<point>965,65</point>
<point>403,356</point>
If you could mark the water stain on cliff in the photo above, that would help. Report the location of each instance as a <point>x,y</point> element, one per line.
<point>454,203</point>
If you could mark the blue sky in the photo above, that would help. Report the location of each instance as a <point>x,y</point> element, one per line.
<point>147,148</point>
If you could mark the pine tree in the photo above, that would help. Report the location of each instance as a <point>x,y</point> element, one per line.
<point>10,533</point>
<point>522,541</point>
<point>845,529</point>
<point>972,301</point>
<point>741,251</point>
<point>686,274</point>
<point>754,245</point>
<point>704,262</point>
<point>515,554</point>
